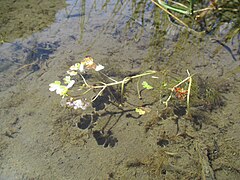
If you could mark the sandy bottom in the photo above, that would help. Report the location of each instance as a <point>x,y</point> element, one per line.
<point>41,140</point>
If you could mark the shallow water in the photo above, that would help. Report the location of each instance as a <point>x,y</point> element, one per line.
<point>42,140</point>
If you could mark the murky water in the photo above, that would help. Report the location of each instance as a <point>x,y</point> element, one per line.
<point>42,140</point>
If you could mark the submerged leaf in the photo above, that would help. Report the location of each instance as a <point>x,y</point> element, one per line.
<point>146,85</point>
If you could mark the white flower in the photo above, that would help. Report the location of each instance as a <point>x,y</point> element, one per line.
<point>70,84</point>
<point>54,86</point>
<point>60,89</point>
<point>72,73</point>
<point>67,80</point>
<point>82,68</point>
<point>69,104</point>
<point>77,104</point>
<point>99,67</point>
<point>75,67</point>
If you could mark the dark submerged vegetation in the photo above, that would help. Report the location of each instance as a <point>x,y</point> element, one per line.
<point>201,15</point>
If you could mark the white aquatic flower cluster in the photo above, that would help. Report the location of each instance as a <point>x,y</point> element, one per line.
<point>86,64</point>
<point>62,90</point>
<point>73,69</point>
<point>78,104</point>
<point>67,80</point>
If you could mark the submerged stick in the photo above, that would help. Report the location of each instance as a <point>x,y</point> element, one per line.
<point>188,93</point>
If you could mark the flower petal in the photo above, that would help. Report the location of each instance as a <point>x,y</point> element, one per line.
<point>82,68</point>
<point>99,67</point>
<point>75,67</point>
<point>67,79</point>
<point>70,84</point>
<point>54,86</point>
<point>62,91</point>
<point>72,73</point>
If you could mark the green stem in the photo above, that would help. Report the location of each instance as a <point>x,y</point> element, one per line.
<point>191,7</point>
<point>176,9</point>
<point>123,82</point>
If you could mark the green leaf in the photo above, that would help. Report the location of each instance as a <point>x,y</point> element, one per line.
<point>146,85</point>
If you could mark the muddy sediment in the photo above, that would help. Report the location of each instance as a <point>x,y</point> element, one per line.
<point>22,18</point>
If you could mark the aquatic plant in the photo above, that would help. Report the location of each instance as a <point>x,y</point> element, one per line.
<point>146,85</point>
<point>182,92</point>
<point>196,11</point>
<point>78,98</point>
<point>81,87</point>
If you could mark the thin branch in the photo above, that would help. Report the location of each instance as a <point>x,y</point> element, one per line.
<point>188,93</point>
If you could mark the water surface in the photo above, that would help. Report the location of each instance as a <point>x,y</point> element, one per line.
<point>42,140</point>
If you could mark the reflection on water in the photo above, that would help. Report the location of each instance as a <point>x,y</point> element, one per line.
<point>133,34</point>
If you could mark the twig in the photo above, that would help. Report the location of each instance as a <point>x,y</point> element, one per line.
<point>188,93</point>
<point>138,90</point>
